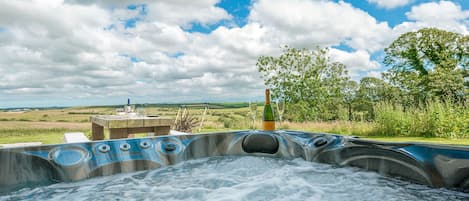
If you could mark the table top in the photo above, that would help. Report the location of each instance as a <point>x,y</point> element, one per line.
<point>130,121</point>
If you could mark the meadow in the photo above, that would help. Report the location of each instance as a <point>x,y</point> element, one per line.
<point>49,125</point>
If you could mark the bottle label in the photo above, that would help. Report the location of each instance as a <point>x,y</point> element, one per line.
<point>268,125</point>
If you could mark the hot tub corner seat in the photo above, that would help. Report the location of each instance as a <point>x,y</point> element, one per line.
<point>19,170</point>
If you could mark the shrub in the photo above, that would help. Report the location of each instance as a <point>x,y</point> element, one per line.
<point>433,119</point>
<point>186,123</point>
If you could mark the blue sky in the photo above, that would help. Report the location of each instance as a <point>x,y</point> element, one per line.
<point>70,53</point>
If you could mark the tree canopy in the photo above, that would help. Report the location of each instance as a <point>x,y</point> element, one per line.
<point>429,63</point>
<point>425,65</point>
<point>306,77</point>
<point>424,91</point>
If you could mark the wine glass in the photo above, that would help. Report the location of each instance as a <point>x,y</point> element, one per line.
<point>253,112</point>
<point>141,112</point>
<point>280,110</point>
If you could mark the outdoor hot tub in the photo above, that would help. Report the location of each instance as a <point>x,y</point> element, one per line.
<point>283,165</point>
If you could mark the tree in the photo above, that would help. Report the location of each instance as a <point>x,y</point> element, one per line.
<point>377,90</point>
<point>429,63</point>
<point>308,79</point>
<point>374,90</point>
<point>350,95</point>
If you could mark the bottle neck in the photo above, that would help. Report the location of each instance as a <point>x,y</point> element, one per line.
<point>267,97</point>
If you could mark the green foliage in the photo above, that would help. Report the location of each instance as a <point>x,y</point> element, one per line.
<point>235,120</point>
<point>435,119</point>
<point>429,63</point>
<point>424,92</point>
<point>371,91</point>
<point>350,95</point>
<point>300,111</point>
<point>308,80</point>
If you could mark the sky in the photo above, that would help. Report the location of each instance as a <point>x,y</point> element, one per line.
<point>87,52</point>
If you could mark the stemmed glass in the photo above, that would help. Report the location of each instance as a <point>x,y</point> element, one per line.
<point>280,110</point>
<point>141,112</point>
<point>253,112</point>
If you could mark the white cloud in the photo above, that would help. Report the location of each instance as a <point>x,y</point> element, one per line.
<point>307,23</point>
<point>41,18</point>
<point>177,12</point>
<point>81,52</point>
<point>182,12</point>
<point>376,74</point>
<point>357,62</point>
<point>444,15</point>
<point>389,4</point>
<point>71,53</point>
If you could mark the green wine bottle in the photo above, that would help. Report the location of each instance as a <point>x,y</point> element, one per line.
<point>268,120</point>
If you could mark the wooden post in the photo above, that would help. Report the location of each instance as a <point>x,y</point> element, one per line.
<point>97,132</point>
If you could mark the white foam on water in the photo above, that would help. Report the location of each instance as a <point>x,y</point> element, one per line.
<point>240,178</point>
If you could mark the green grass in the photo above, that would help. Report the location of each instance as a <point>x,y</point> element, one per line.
<point>434,140</point>
<point>46,136</point>
<point>442,119</point>
<point>440,123</point>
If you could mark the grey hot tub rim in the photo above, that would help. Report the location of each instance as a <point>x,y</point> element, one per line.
<point>428,164</point>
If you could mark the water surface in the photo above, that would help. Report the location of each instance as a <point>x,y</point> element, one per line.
<point>241,178</point>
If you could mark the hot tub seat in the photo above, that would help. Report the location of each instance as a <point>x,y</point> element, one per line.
<point>432,165</point>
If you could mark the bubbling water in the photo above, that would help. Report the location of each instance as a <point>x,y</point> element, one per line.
<point>240,178</point>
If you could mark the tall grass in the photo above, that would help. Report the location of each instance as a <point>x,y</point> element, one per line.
<point>337,127</point>
<point>435,119</point>
<point>46,136</point>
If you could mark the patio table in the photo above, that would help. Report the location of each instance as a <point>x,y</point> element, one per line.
<point>124,126</point>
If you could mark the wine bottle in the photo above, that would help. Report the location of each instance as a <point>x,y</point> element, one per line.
<point>127,108</point>
<point>268,121</point>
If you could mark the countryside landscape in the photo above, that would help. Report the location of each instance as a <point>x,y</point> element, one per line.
<point>49,125</point>
<point>421,97</point>
<point>273,100</point>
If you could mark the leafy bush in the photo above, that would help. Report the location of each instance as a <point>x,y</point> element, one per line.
<point>434,119</point>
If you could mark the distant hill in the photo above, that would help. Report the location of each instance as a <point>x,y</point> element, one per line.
<point>176,105</point>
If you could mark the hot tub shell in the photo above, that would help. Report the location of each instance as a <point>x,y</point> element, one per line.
<point>428,164</point>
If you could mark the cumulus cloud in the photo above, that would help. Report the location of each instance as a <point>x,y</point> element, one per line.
<point>203,12</point>
<point>357,62</point>
<point>389,4</point>
<point>305,23</point>
<point>178,12</point>
<point>101,52</point>
<point>445,15</point>
<point>377,74</point>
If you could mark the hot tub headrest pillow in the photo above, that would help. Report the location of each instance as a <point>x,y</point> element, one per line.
<point>260,143</point>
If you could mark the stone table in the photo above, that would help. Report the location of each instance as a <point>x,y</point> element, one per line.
<point>123,126</point>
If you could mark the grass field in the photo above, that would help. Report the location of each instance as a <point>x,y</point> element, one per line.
<point>48,126</point>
